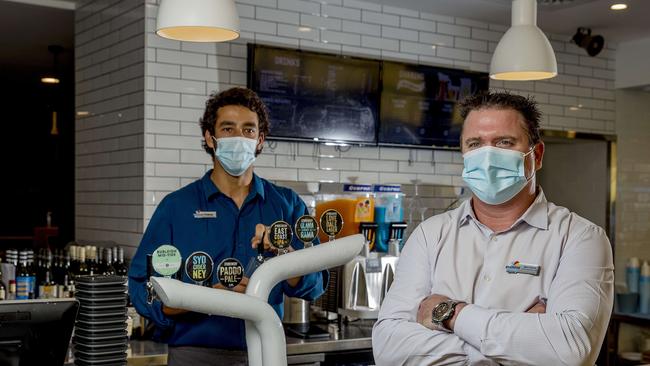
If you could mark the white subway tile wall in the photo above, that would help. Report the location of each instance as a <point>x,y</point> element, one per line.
<point>110,85</point>
<point>351,27</point>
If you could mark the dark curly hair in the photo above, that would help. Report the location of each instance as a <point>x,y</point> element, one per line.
<point>235,96</point>
<point>526,106</point>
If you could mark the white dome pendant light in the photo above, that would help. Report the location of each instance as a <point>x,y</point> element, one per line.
<point>524,52</point>
<point>198,20</point>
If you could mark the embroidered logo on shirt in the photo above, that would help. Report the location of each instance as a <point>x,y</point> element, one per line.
<point>523,268</point>
<point>198,214</point>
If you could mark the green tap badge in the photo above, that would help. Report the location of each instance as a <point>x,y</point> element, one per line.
<point>166,260</point>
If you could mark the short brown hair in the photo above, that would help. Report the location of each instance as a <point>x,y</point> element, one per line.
<point>526,106</point>
<point>235,96</point>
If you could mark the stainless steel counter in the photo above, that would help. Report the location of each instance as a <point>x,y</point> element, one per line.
<point>350,337</point>
<point>353,336</point>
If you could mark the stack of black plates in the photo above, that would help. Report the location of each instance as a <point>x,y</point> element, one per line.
<point>100,332</point>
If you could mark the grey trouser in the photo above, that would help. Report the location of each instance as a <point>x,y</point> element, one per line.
<point>200,356</point>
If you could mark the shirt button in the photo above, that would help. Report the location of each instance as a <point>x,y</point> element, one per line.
<point>487,278</point>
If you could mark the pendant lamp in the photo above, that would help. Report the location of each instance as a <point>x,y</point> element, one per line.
<point>198,20</point>
<point>524,52</point>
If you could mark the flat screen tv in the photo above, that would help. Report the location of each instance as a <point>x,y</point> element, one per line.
<point>316,96</point>
<point>419,104</point>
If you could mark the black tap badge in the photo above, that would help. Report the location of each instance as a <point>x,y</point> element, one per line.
<point>198,267</point>
<point>230,272</point>
<point>331,222</point>
<point>280,235</point>
<point>306,228</point>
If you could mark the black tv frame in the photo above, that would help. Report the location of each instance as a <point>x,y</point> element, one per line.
<point>431,68</point>
<point>250,74</point>
<point>378,122</point>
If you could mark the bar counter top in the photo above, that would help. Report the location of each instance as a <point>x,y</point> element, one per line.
<point>348,337</point>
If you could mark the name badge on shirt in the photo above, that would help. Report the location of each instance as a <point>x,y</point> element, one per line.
<point>198,214</point>
<point>523,268</point>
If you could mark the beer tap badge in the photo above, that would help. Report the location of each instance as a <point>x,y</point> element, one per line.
<point>306,228</point>
<point>280,235</point>
<point>198,266</point>
<point>230,272</point>
<point>331,222</point>
<point>166,260</point>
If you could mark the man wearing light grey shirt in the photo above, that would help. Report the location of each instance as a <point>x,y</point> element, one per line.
<point>508,277</point>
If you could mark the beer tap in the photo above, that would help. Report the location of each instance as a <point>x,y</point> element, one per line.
<point>151,294</point>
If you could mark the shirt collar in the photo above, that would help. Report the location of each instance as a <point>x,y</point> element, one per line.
<point>536,215</point>
<point>210,189</point>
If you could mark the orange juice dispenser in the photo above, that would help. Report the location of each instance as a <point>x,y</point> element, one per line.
<point>356,204</point>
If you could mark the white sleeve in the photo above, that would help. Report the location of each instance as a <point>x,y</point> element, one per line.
<point>397,338</point>
<point>571,331</point>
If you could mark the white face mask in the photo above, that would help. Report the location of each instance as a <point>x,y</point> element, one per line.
<point>236,154</point>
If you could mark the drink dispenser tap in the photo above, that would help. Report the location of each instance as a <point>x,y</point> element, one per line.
<point>396,234</point>
<point>368,230</point>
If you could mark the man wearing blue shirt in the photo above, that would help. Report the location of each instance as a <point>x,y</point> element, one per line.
<point>237,205</point>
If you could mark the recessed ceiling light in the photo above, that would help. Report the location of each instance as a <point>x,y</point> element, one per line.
<point>433,46</point>
<point>304,29</point>
<point>49,80</point>
<point>82,113</point>
<point>618,6</point>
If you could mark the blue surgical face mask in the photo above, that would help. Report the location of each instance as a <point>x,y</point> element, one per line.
<point>235,154</point>
<point>495,175</point>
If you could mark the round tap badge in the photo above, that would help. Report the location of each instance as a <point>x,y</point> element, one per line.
<point>306,228</point>
<point>230,272</point>
<point>280,235</point>
<point>331,222</point>
<point>198,266</point>
<point>166,260</point>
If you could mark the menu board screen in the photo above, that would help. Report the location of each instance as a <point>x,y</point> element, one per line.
<point>419,104</point>
<point>316,96</point>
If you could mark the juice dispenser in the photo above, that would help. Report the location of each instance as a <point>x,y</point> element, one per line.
<point>356,204</point>
<point>388,208</point>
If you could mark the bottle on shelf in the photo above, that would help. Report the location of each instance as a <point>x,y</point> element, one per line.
<point>107,267</point>
<point>83,269</point>
<point>32,274</point>
<point>73,253</point>
<point>120,267</point>
<point>3,289</point>
<point>93,265</point>
<point>644,288</point>
<point>22,277</point>
<point>11,294</point>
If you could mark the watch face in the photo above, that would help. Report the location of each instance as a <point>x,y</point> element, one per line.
<point>440,310</point>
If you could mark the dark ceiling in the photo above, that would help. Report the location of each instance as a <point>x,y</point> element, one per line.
<point>25,33</point>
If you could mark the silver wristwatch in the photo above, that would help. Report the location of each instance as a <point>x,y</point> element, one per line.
<point>443,312</point>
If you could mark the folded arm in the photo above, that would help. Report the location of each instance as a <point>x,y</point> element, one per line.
<point>397,338</point>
